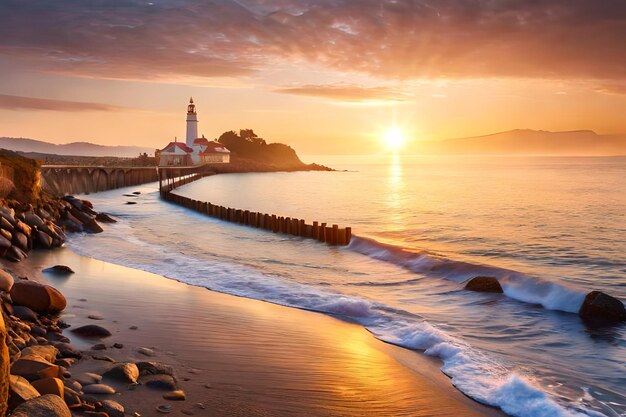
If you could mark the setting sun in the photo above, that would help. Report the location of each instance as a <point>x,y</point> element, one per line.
<point>394,138</point>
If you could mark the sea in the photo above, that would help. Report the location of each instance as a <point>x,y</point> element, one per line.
<point>551,229</point>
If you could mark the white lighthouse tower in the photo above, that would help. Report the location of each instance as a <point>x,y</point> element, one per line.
<point>192,123</point>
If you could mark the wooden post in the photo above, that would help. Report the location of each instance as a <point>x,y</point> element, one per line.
<point>302,229</point>
<point>348,235</point>
<point>328,235</point>
<point>322,233</point>
<point>341,237</point>
<point>334,238</point>
<point>316,230</point>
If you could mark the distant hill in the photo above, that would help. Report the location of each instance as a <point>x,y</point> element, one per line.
<point>74,148</point>
<point>533,142</point>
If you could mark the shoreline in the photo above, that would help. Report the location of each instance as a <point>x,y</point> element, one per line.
<point>255,356</point>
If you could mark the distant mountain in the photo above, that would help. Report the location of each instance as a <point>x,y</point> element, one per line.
<point>74,148</point>
<point>533,142</point>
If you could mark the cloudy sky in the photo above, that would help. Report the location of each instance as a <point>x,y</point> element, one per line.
<point>327,76</point>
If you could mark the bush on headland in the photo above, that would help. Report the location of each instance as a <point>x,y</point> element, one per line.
<point>250,153</point>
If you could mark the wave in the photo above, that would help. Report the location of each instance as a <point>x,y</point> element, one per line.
<point>474,373</point>
<point>520,287</point>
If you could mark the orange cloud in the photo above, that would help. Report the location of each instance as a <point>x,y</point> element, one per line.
<point>346,92</point>
<point>8,102</point>
<point>564,39</point>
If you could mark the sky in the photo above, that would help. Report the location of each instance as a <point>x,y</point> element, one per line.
<point>325,76</point>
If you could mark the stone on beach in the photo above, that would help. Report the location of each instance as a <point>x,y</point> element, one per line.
<point>49,386</point>
<point>49,353</point>
<point>105,218</point>
<point>67,351</point>
<point>91,331</point>
<point>40,298</point>
<point>24,313</point>
<point>598,305</point>
<point>112,408</point>
<point>484,284</point>
<point>20,390</point>
<point>154,368</point>
<point>176,395</point>
<point>59,269</point>
<point>160,382</point>
<point>100,389</point>
<point>48,405</point>
<point>6,281</point>
<point>146,351</point>
<point>88,378</point>
<point>123,372</point>
<point>33,367</point>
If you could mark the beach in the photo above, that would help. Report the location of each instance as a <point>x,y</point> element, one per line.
<point>236,356</point>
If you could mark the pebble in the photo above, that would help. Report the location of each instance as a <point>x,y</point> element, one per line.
<point>99,389</point>
<point>146,351</point>
<point>95,317</point>
<point>118,345</point>
<point>177,395</point>
<point>164,408</point>
<point>88,378</point>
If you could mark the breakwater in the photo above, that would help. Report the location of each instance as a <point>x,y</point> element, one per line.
<point>170,178</point>
<point>67,179</point>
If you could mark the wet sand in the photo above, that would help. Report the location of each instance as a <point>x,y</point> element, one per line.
<point>236,356</point>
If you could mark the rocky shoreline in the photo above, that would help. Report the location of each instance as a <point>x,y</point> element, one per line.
<point>36,358</point>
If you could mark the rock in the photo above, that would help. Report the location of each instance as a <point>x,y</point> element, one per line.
<point>5,243</point>
<point>177,395</point>
<point>123,372</point>
<point>20,391</point>
<point>100,389</point>
<point>5,224</point>
<point>45,406</point>
<point>118,345</point>
<point>40,298</point>
<point>601,306</point>
<point>49,386</point>
<point>154,368</point>
<point>43,239</point>
<point>34,221</point>
<point>95,317</point>
<point>105,218</point>
<point>71,226</point>
<point>484,284</point>
<point>33,367</point>
<point>103,358</point>
<point>160,382</point>
<point>164,408</point>
<point>25,313</point>
<point>136,192</point>
<point>71,397</point>
<point>88,378</point>
<point>112,408</point>
<point>6,281</point>
<point>65,363</point>
<point>24,228</point>
<point>131,202</point>
<point>146,351</point>
<point>93,226</point>
<point>133,328</point>
<point>91,331</point>
<point>99,346</point>
<point>21,241</point>
<point>49,353</point>
<point>67,351</point>
<point>59,269</point>
<point>15,254</point>
<point>7,235</point>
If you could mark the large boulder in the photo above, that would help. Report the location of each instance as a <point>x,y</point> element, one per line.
<point>123,372</point>
<point>484,284</point>
<point>20,391</point>
<point>38,297</point>
<point>47,352</point>
<point>6,281</point>
<point>49,386</point>
<point>601,306</point>
<point>48,405</point>
<point>105,218</point>
<point>91,331</point>
<point>33,367</point>
<point>4,368</point>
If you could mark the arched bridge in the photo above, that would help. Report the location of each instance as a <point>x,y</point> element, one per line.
<point>68,179</point>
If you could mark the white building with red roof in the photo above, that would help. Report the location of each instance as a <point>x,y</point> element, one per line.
<point>195,150</point>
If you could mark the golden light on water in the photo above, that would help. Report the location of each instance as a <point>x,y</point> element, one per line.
<point>394,138</point>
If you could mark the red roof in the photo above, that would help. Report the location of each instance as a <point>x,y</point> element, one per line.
<point>201,141</point>
<point>181,145</point>
<point>214,147</point>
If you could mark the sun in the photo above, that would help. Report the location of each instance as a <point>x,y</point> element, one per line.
<point>394,138</point>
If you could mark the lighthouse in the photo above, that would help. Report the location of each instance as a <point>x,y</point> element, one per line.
<point>192,123</point>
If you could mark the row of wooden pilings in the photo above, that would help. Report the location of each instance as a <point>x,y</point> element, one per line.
<point>331,235</point>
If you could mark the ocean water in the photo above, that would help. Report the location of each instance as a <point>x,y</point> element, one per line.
<point>550,229</point>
